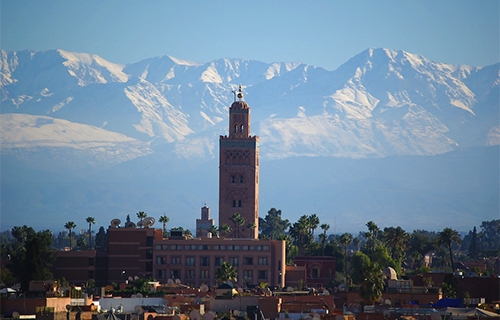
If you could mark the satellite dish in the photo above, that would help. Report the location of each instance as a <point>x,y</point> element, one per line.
<point>149,221</point>
<point>388,302</point>
<point>138,309</point>
<point>69,307</point>
<point>129,224</point>
<point>140,224</point>
<point>115,222</point>
<point>138,295</point>
<point>177,281</point>
<point>130,279</point>
<point>170,281</point>
<point>16,315</point>
<point>341,287</point>
<point>176,317</point>
<point>136,278</point>
<point>289,289</point>
<point>197,300</point>
<point>435,316</point>
<point>164,302</point>
<point>204,288</point>
<point>194,315</point>
<point>208,316</point>
<point>326,292</point>
<point>316,316</point>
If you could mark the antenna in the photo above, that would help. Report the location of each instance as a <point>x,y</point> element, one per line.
<point>115,223</point>
<point>149,221</point>
<point>194,315</point>
<point>138,309</point>
<point>208,316</point>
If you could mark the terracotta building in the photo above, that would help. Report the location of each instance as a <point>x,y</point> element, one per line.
<point>239,173</point>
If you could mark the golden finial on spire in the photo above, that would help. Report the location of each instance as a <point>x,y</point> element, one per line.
<point>240,94</point>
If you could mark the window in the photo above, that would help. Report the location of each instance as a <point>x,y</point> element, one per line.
<point>190,261</point>
<point>239,203</point>
<point>247,274</point>
<point>247,261</point>
<point>219,261</point>
<point>265,248</point>
<point>230,248</point>
<point>223,247</point>
<point>149,241</point>
<point>189,274</point>
<point>234,203</point>
<point>91,261</point>
<point>91,274</point>
<point>203,247</point>
<point>187,247</point>
<point>149,254</point>
<point>233,179</point>
<point>176,260</point>
<point>241,179</point>
<point>238,247</point>
<point>251,248</point>
<point>233,261</point>
<point>164,247</point>
<point>157,246</point>
<point>149,266</point>
<point>204,274</point>
<point>241,129</point>
<point>161,260</point>
<point>173,247</point>
<point>259,248</point>
<point>315,272</point>
<point>244,248</point>
<point>263,274</point>
<point>179,247</point>
<point>235,128</point>
<point>161,274</point>
<point>175,274</point>
<point>262,261</point>
<point>205,261</point>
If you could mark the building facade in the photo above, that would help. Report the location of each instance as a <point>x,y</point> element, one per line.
<point>205,223</point>
<point>239,173</point>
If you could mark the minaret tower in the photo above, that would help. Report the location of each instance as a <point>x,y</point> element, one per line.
<point>239,172</point>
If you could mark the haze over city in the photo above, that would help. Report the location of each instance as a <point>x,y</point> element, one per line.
<point>322,35</point>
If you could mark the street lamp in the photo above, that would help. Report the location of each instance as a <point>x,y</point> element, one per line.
<point>123,272</point>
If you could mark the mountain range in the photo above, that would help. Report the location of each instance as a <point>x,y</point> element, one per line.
<point>82,136</point>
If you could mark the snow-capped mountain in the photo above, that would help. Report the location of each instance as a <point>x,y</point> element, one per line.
<point>81,134</point>
<point>381,102</point>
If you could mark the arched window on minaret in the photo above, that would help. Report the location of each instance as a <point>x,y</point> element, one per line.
<point>241,129</point>
<point>234,203</point>
<point>233,179</point>
<point>241,179</point>
<point>235,128</point>
<point>239,203</point>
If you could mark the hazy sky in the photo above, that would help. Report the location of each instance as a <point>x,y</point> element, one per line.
<point>320,33</point>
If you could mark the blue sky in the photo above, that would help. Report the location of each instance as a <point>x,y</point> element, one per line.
<point>320,33</point>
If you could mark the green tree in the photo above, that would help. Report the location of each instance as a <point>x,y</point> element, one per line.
<point>164,219</point>
<point>70,225</point>
<point>38,258</point>
<point>224,230</point>
<point>252,226</point>
<point>323,237</point>
<point>101,239</point>
<point>188,234</point>
<point>371,283</point>
<point>446,238</point>
<point>141,215</point>
<point>396,239</point>
<point>273,225</point>
<point>474,245</point>
<point>90,221</point>
<point>356,242</point>
<point>312,222</point>
<point>238,221</point>
<point>345,240</point>
<point>81,243</point>
<point>226,272</point>
<point>213,230</point>
<point>299,231</point>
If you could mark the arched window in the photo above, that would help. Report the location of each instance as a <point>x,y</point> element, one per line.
<point>233,179</point>
<point>234,203</point>
<point>241,129</point>
<point>235,128</point>
<point>239,203</point>
<point>241,179</point>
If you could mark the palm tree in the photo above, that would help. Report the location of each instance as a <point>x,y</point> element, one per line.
<point>213,230</point>
<point>164,219</point>
<point>70,225</point>
<point>224,230</point>
<point>345,240</point>
<point>371,284</point>
<point>356,242</point>
<point>252,227</point>
<point>446,237</point>
<point>188,234</point>
<point>323,237</point>
<point>397,239</point>
<point>90,221</point>
<point>373,228</point>
<point>313,222</point>
<point>226,272</point>
<point>298,231</point>
<point>141,215</point>
<point>238,221</point>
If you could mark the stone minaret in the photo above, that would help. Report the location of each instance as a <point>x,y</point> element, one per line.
<point>239,172</point>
